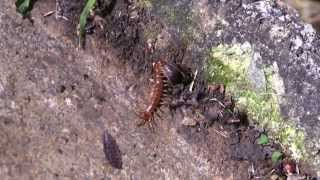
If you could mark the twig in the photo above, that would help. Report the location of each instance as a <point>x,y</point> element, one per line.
<point>49,13</point>
<point>251,170</point>
<point>220,133</point>
<point>57,9</point>
<point>194,78</point>
<point>219,102</point>
<point>269,173</point>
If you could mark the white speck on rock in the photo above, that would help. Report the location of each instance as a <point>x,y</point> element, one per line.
<point>1,88</point>
<point>297,42</point>
<point>245,46</point>
<point>282,18</point>
<point>219,33</point>
<point>256,75</point>
<point>277,82</point>
<point>278,33</point>
<point>68,102</point>
<point>13,105</point>
<point>263,7</point>
<point>187,121</point>
<point>308,33</point>
<point>51,102</point>
<point>308,30</point>
<point>65,130</point>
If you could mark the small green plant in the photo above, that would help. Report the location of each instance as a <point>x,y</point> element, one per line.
<point>276,156</point>
<point>23,7</point>
<point>263,139</point>
<point>83,20</point>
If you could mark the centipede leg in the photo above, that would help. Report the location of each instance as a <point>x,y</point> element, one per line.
<point>165,101</point>
<point>141,123</point>
<point>161,110</point>
<point>138,114</point>
<point>158,115</point>
<point>152,124</point>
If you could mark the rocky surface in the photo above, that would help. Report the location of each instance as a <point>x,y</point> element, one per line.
<point>57,101</point>
<point>279,38</point>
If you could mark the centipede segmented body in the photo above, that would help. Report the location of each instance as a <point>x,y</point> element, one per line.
<point>165,76</point>
<point>157,93</point>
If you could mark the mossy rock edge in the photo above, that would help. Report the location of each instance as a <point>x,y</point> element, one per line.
<point>258,90</point>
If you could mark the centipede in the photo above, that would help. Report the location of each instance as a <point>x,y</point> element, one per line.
<point>165,76</point>
<point>156,95</point>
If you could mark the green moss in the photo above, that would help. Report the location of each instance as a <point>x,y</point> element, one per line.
<point>229,65</point>
<point>145,3</point>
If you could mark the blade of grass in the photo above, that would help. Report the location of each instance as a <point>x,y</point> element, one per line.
<point>23,7</point>
<point>83,20</point>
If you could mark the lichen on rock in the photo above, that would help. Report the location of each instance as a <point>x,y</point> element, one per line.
<point>258,91</point>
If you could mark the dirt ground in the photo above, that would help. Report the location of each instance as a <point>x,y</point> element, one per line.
<point>56,102</point>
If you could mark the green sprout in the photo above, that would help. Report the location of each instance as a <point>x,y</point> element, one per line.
<point>83,20</point>
<point>263,139</point>
<point>276,156</point>
<point>23,7</point>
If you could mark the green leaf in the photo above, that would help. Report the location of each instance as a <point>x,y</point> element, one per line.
<point>23,6</point>
<point>263,139</point>
<point>276,156</point>
<point>83,19</point>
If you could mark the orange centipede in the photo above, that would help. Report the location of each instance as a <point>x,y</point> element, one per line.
<point>157,93</point>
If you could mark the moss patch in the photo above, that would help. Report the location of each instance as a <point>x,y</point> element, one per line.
<point>145,3</point>
<point>230,65</point>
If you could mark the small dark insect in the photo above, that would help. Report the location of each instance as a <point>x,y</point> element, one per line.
<point>156,94</point>
<point>112,151</point>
